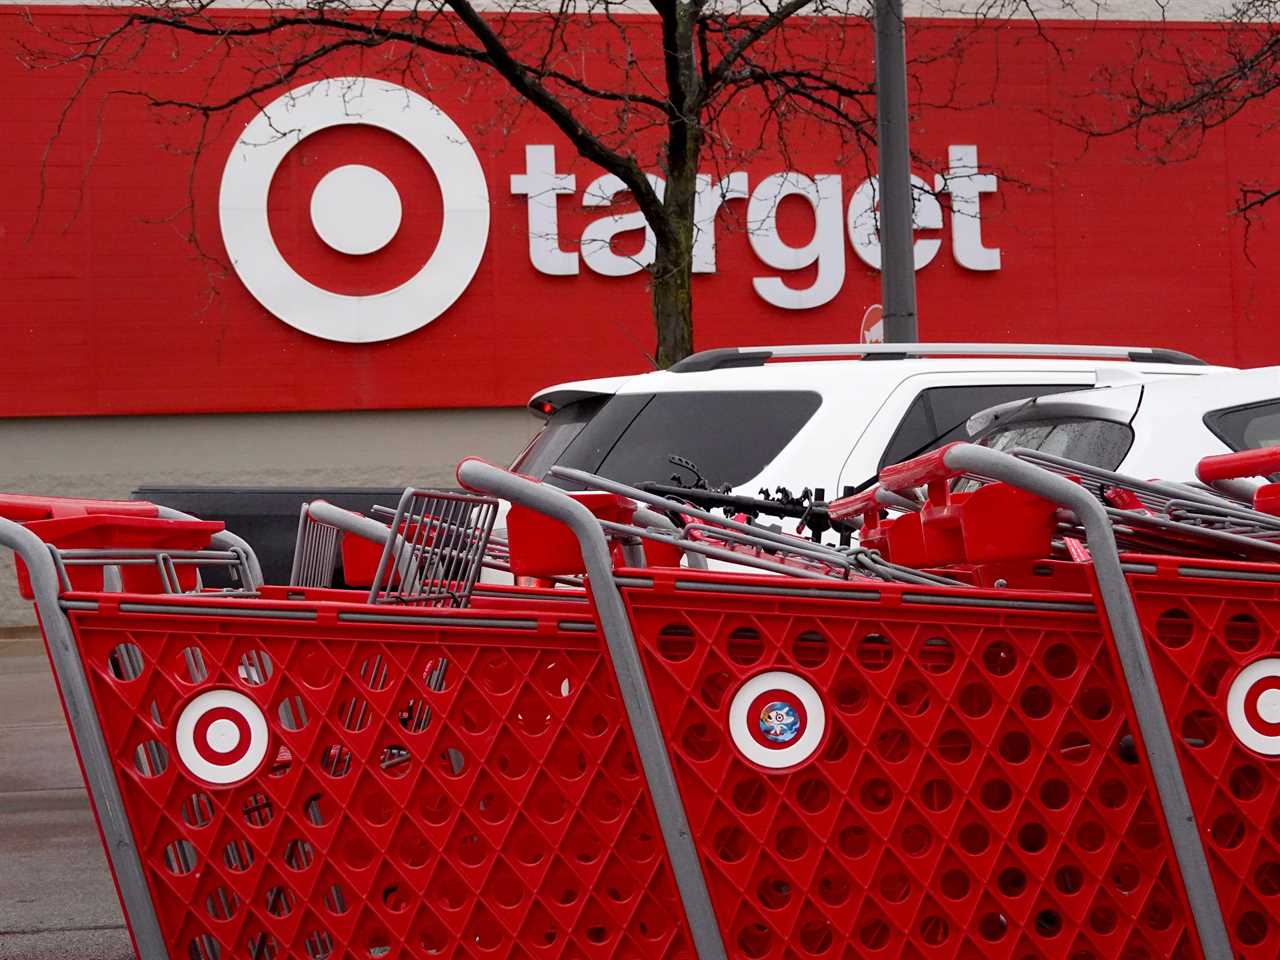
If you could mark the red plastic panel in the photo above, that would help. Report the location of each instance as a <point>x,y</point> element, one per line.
<point>1202,633</point>
<point>542,546</point>
<point>994,523</point>
<point>426,791</point>
<point>360,560</point>
<point>22,507</point>
<point>973,796</point>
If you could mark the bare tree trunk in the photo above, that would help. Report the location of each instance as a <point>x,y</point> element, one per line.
<point>673,256</point>
<point>673,275</point>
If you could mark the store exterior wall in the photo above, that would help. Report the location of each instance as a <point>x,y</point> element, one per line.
<point>1029,231</point>
<point>132,356</point>
<point>109,457</point>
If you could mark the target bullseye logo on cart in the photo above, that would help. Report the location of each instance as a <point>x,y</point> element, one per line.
<point>1253,706</point>
<point>777,719</point>
<point>355,209</point>
<point>221,737</point>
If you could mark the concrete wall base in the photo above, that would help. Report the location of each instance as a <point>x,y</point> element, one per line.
<point>109,457</point>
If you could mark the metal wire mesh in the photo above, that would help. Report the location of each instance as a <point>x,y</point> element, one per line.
<point>152,571</point>
<point>1170,517</point>
<point>749,545</point>
<point>437,547</point>
<point>315,553</point>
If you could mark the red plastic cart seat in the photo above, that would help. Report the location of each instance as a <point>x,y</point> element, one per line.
<point>71,531</point>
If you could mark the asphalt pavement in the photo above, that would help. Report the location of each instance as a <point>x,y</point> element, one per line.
<point>57,901</point>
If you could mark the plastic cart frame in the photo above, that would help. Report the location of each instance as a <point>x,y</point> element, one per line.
<point>651,747</point>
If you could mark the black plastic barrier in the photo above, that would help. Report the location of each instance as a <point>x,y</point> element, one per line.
<point>265,516</point>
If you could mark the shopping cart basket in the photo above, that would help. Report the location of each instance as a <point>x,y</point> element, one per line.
<point>817,758</point>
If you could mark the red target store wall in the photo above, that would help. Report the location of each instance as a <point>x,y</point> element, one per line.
<point>463,256</point>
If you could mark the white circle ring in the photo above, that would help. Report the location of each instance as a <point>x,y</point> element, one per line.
<point>805,745</point>
<point>246,754</point>
<point>1238,706</point>
<point>246,230</point>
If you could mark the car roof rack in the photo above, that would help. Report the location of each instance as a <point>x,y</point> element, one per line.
<point>727,357</point>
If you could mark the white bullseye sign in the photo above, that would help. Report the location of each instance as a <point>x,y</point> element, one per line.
<point>1253,706</point>
<point>355,209</point>
<point>221,737</point>
<point>777,719</point>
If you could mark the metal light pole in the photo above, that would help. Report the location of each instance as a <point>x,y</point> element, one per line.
<point>897,264</point>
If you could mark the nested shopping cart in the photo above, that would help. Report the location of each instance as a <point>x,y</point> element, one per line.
<point>1014,742</point>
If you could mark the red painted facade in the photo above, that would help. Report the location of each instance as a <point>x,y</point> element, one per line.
<point>107,307</point>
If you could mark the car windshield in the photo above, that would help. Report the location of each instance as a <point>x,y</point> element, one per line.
<point>1099,443</point>
<point>729,436</point>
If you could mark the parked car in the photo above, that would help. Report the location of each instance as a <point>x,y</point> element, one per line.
<point>1157,428</point>
<point>820,416</point>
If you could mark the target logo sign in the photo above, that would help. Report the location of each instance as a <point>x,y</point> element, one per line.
<point>1253,706</point>
<point>777,719</point>
<point>355,209</point>
<point>221,737</point>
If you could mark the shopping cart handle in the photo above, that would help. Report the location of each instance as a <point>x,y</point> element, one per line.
<point>1244,463</point>
<point>926,468</point>
<point>855,505</point>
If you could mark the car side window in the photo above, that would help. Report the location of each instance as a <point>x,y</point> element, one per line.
<point>729,436</point>
<point>1248,427</point>
<point>938,415</point>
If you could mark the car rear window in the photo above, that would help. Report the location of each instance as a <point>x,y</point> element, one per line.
<point>939,414</point>
<point>730,436</point>
<point>1099,443</point>
<point>1249,427</point>
<point>560,430</point>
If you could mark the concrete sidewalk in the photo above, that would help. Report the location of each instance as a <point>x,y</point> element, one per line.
<point>57,901</point>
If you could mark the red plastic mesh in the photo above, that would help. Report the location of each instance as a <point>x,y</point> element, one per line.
<point>1201,631</point>
<point>976,794</point>
<point>428,791</point>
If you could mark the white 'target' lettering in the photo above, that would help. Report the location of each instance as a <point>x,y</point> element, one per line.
<point>597,237</point>
<point>864,222</point>
<point>706,203</point>
<point>826,248</point>
<point>965,185</point>
<point>543,186</point>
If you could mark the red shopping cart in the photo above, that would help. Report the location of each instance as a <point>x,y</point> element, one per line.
<point>821,752</point>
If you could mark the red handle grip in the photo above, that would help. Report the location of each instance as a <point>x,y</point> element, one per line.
<point>1266,499</point>
<point>1245,463</point>
<point>925,468</point>
<point>854,505</point>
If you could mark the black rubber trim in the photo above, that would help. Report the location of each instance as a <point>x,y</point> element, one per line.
<point>561,398</point>
<point>722,358</point>
<point>1161,355</point>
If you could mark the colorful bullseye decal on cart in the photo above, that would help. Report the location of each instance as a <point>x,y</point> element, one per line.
<point>221,737</point>
<point>777,719</point>
<point>1253,706</point>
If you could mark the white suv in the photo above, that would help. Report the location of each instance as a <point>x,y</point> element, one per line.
<point>825,417</point>
<point>1154,430</point>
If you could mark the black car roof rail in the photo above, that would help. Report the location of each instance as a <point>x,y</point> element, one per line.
<point>723,358</point>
